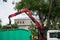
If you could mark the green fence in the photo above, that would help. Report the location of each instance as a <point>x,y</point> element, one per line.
<point>15,34</point>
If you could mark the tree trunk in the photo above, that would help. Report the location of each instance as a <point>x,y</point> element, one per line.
<point>42,22</point>
<point>40,14</point>
<point>48,19</point>
<point>49,13</point>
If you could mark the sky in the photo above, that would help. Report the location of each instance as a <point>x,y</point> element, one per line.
<point>7,8</point>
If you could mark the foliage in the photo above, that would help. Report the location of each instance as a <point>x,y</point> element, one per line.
<point>45,9</point>
<point>32,4</point>
<point>0,21</point>
<point>4,27</point>
<point>0,24</point>
<point>4,0</point>
<point>34,30</point>
<point>9,26</point>
<point>15,25</point>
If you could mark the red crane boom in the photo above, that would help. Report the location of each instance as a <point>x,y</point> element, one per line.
<point>29,13</point>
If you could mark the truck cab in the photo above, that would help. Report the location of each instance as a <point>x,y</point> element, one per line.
<point>53,35</point>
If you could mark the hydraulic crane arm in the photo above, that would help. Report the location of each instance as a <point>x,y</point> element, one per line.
<point>29,13</point>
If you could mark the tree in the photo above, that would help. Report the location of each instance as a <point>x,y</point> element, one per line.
<point>46,10</point>
<point>0,24</point>
<point>10,26</point>
<point>4,0</point>
<point>15,25</point>
<point>54,12</point>
<point>34,31</point>
<point>40,6</point>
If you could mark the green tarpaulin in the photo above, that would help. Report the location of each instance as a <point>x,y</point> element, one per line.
<point>15,34</point>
